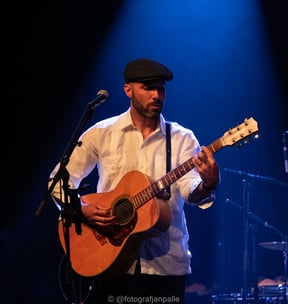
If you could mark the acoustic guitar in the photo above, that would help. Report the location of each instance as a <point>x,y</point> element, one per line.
<point>139,212</point>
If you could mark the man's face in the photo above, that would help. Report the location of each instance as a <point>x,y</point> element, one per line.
<point>146,98</point>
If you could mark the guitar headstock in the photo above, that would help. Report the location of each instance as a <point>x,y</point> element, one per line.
<point>241,133</point>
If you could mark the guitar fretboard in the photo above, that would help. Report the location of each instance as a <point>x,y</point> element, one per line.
<point>171,177</point>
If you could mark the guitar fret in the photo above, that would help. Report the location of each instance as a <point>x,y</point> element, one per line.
<point>173,176</point>
<point>160,184</point>
<point>149,194</point>
<point>215,146</point>
<point>136,200</point>
<point>154,189</point>
<point>165,182</point>
<point>144,196</point>
<point>177,172</point>
<point>189,165</point>
<point>168,180</point>
<point>141,197</point>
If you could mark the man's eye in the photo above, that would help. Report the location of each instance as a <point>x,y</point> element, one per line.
<point>153,87</point>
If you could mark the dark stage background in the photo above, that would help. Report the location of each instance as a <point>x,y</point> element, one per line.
<point>229,59</point>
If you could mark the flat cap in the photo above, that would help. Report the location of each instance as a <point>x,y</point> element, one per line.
<point>145,70</point>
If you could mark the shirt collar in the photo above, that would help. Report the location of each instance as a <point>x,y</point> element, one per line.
<point>126,122</point>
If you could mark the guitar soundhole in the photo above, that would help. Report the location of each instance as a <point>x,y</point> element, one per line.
<point>124,211</point>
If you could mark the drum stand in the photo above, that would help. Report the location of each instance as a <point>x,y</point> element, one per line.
<point>285,255</point>
<point>281,246</point>
<point>248,231</point>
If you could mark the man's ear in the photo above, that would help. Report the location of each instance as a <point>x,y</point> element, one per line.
<point>127,89</point>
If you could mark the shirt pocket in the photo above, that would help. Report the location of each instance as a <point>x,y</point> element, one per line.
<point>112,169</point>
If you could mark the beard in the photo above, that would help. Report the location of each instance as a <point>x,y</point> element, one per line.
<point>152,110</point>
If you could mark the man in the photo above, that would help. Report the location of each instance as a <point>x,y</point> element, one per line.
<point>136,140</point>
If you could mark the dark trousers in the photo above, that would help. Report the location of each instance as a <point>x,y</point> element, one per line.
<point>140,288</point>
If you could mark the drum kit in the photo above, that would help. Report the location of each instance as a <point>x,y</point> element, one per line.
<point>276,292</point>
<point>270,291</point>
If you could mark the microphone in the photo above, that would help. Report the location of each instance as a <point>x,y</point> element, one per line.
<point>285,150</point>
<point>102,96</point>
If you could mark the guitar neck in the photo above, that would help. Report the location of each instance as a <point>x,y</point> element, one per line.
<point>234,136</point>
<point>171,177</point>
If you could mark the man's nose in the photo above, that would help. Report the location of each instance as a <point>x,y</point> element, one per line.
<point>156,93</point>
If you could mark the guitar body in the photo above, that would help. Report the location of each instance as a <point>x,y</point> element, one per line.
<point>103,254</point>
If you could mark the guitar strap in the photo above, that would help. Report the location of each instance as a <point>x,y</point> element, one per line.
<point>168,155</point>
<point>167,190</point>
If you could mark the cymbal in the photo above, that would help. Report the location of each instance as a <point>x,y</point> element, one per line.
<point>283,246</point>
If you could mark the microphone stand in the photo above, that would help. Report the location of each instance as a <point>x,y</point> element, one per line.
<point>256,177</point>
<point>71,208</point>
